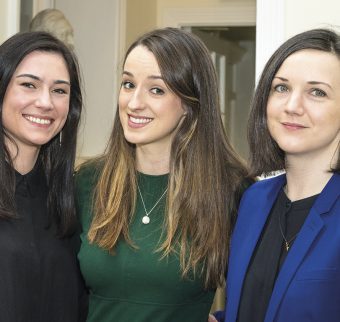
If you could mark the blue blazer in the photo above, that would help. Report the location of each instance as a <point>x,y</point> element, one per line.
<point>307,288</point>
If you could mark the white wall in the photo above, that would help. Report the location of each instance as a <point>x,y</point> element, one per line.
<point>96,44</point>
<point>303,15</point>
<point>277,20</point>
<point>3,21</point>
<point>9,18</point>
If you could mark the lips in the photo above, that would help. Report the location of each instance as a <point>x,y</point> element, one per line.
<point>293,126</point>
<point>140,119</point>
<point>136,122</point>
<point>38,120</point>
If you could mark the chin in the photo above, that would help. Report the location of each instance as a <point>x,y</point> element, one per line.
<point>132,138</point>
<point>291,146</point>
<point>38,142</point>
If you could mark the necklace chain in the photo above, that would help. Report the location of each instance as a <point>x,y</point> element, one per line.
<point>146,218</point>
<point>287,242</point>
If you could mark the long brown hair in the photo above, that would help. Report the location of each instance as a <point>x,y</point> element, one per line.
<point>205,172</point>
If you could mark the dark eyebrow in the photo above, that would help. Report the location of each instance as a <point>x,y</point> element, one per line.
<point>150,77</point>
<point>317,83</point>
<point>310,82</point>
<point>58,81</point>
<point>281,78</point>
<point>29,75</point>
<point>127,73</point>
<point>155,77</point>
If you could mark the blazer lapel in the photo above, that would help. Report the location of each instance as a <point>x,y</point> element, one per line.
<point>302,244</point>
<point>252,217</point>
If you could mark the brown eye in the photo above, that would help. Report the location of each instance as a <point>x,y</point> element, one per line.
<point>59,91</point>
<point>27,84</point>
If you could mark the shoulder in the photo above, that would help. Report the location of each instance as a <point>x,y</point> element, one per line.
<point>263,192</point>
<point>88,173</point>
<point>267,183</point>
<point>245,184</point>
<point>86,178</point>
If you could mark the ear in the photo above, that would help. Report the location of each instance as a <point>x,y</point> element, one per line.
<point>185,112</point>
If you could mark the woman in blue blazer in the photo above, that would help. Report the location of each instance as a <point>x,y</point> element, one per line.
<point>284,260</point>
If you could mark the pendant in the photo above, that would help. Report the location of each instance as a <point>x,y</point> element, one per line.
<point>287,245</point>
<point>145,220</point>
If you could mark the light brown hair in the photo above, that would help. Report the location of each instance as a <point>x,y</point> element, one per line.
<point>205,172</point>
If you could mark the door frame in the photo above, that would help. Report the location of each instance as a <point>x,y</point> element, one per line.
<point>39,5</point>
<point>267,15</point>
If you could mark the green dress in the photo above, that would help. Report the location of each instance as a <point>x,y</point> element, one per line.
<point>136,285</point>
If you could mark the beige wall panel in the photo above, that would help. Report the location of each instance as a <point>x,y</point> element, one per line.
<point>141,16</point>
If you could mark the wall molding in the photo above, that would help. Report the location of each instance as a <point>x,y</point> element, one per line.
<point>39,5</point>
<point>229,14</point>
<point>13,17</point>
<point>267,15</point>
<point>119,40</point>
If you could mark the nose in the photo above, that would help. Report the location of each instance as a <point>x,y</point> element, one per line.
<point>44,100</point>
<point>295,103</point>
<point>137,99</point>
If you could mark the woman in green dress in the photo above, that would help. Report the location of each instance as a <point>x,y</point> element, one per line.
<point>158,206</point>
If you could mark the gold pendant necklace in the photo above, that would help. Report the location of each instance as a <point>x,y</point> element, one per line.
<point>286,242</point>
<point>146,218</point>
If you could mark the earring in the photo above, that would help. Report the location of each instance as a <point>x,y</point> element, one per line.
<point>60,137</point>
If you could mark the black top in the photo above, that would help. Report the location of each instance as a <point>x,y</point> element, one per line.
<point>270,254</point>
<point>39,277</point>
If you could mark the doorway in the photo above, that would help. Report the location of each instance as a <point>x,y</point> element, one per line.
<point>233,53</point>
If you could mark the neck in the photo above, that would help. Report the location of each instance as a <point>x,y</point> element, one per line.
<point>153,162</point>
<point>23,158</point>
<point>306,178</point>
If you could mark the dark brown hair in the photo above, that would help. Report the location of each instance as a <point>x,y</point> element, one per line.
<point>265,155</point>
<point>58,157</point>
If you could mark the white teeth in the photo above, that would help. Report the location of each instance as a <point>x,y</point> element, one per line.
<point>37,120</point>
<point>140,120</point>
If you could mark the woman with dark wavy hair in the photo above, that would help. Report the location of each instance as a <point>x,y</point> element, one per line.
<point>40,106</point>
<point>158,206</point>
<point>284,262</point>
